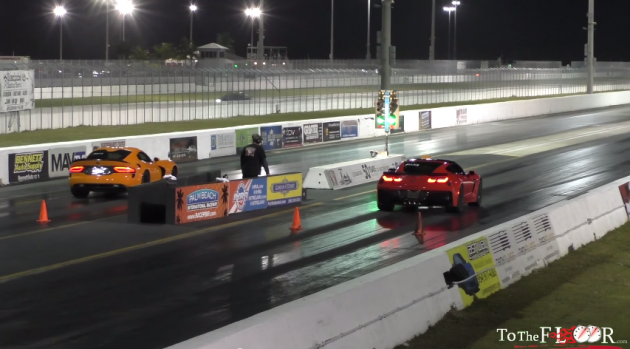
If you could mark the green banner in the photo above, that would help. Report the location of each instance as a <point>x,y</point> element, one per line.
<point>244,137</point>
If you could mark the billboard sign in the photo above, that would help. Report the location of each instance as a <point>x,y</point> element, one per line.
<point>16,90</point>
<point>272,137</point>
<point>284,189</point>
<point>183,149</point>
<point>28,167</point>
<point>313,133</point>
<point>222,144</point>
<point>201,202</point>
<point>248,195</point>
<point>60,159</point>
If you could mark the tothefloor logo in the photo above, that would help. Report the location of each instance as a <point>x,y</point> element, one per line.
<point>573,335</point>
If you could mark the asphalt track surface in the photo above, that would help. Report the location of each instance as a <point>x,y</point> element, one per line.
<point>89,280</point>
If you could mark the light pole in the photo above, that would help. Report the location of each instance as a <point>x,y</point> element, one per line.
<point>449,9</point>
<point>386,39</point>
<point>260,54</point>
<point>253,13</point>
<point>193,8</point>
<point>432,49</point>
<point>332,27</point>
<point>60,12</point>
<point>590,54</point>
<point>107,29</point>
<point>456,3</point>
<point>368,56</point>
<point>125,7</point>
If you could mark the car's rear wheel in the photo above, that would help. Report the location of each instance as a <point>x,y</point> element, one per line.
<point>174,172</point>
<point>79,193</point>
<point>479,193</point>
<point>146,177</point>
<point>385,206</point>
<point>459,208</point>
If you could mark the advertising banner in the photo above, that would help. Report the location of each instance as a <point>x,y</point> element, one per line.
<point>248,195</point>
<point>272,137</point>
<point>349,129</point>
<point>119,143</point>
<point>292,137</point>
<point>60,159</point>
<point>16,90</point>
<point>244,138</point>
<point>331,131</point>
<point>284,189</point>
<point>477,259</point>
<point>425,120</point>
<point>625,196</point>
<point>313,133</point>
<point>360,173</point>
<point>28,167</point>
<point>462,116</point>
<point>223,144</point>
<point>183,149</point>
<point>201,202</point>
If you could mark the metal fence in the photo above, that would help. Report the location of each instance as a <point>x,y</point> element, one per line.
<point>75,93</point>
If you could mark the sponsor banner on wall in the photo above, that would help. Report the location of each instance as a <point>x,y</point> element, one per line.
<point>272,137</point>
<point>284,189</point>
<point>291,136</point>
<point>625,196</point>
<point>349,129</point>
<point>244,138</point>
<point>223,144</point>
<point>331,131</point>
<point>16,90</point>
<point>60,159</point>
<point>201,202</point>
<point>248,195</point>
<point>425,120</point>
<point>476,258</point>
<point>118,143</point>
<point>352,175</point>
<point>28,167</point>
<point>313,133</point>
<point>462,116</point>
<point>183,149</point>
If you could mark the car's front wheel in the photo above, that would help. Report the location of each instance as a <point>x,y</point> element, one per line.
<point>79,193</point>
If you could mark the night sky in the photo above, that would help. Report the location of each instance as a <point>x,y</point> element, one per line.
<point>487,29</point>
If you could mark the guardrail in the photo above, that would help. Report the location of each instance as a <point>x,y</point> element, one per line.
<point>35,163</point>
<point>390,306</point>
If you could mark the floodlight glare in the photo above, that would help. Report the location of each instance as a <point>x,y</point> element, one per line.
<point>125,7</point>
<point>193,8</point>
<point>60,11</point>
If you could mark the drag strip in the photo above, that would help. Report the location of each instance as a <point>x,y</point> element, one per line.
<point>159,294</point>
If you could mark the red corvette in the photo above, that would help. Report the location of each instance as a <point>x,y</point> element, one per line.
<point>429,182</point>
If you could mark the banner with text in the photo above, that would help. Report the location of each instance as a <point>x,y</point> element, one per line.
<point>118,143</point>
<point>28,167</point>
<point>60,159</point>
<point>425,120</point>
<point>183,149</point>
<point>349,129</point>
<point>201,202</point>
<point>284,189</point>
<point>17,90</point>
<point>248,195</point>
<point>462,116</point>
<point>272,137</point>
<point>223,144</point>
<point>360,173</point>
<point>331,131</point>
<point>291,136</point>
<point>313,133</point>
<point>625,196</point>
<point>244,138</point>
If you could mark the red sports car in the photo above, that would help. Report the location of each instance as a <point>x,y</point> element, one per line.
<point>429,182</point>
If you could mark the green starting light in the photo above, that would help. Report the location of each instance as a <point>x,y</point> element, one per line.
<point>235,65</point>
<point>392,120</point>
<point>380,120</point>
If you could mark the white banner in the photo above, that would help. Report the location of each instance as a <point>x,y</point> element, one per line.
<point>119,143</point>
<point>16,90</point>
<point>222,144</point>
<point>353,173</point>
<point>60,159</point>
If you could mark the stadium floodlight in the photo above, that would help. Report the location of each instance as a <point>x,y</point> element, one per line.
<point>60,11</point>
<point>253,13</point>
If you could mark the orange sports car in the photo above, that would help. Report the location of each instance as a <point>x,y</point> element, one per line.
<point>113,170</point>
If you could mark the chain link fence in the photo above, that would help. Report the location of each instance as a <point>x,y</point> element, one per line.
<point>76,93</point>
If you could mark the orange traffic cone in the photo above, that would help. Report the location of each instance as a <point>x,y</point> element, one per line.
<point>43,213</point>
<point>419,227</point>
<point>297,223</point>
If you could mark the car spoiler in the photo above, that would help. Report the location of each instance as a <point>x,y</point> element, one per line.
<point>413,174</point>
<point>80,160</point>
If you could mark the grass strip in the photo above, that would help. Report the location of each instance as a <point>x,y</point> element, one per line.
<point>590,286</point>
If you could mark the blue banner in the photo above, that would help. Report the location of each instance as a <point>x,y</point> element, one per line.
<point>248,195</point>
<point>272,137</point>
<point>349,129</point>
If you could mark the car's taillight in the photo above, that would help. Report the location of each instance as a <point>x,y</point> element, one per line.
<point>125,170</point>
<point>390,179</point>
<point>76,169</point>
<point>439,180</point>
<point>397,179</point>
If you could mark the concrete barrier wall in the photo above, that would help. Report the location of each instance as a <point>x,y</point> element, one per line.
<point>389,307</point>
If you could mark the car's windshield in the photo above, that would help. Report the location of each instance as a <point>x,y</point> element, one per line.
<point>421,168</point>
<point>116,155</point>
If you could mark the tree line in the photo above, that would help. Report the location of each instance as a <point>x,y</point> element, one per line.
<point>184,51</point>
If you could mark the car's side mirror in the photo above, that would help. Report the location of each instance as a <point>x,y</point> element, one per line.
<point>156,159</point>
<point>471,173</point>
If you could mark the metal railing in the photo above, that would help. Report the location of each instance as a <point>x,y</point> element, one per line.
<point>75,93</point>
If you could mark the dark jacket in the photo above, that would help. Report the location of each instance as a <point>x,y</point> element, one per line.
<point>253,157</point>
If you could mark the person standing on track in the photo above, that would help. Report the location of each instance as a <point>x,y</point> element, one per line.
<point>253,157</point>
